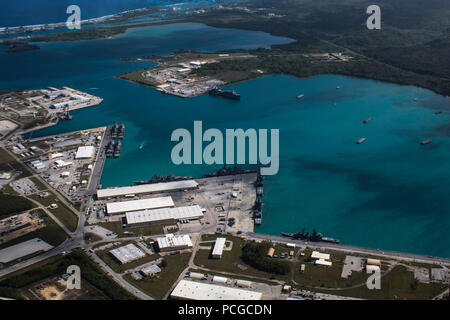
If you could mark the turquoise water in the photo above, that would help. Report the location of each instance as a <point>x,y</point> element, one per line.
<point>388,193</point>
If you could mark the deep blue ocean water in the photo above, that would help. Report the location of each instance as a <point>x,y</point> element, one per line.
<point>389,192</point>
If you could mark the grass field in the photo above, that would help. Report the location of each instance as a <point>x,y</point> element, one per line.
<point>13,204</point>
<point>158,286</point>
<point>327,277</point>
<point>231,260</point>
<point>63,213</point>
<point>119,268</point>
<point>8,163</point>
<point>399,284</point>
<point>116,227</point>
<point>38,183</point>
<point>105,288</point>
<point>51,233</point>
<point>90,237</point>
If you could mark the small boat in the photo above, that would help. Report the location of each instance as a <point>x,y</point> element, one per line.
<point>424,142</point>
<point>360,140</point>
<point>93,88</point>
<point>141,146</point>
<point>366,120</point>
<point>438,112</point>
<point>300,96</point>
<point>338,87</point>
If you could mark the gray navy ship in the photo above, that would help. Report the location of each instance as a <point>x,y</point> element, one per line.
<point>313,237</point>
<point>227,94</point>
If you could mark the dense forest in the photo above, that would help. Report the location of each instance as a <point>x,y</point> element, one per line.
<point>105,288</point>
<point>412,47</point>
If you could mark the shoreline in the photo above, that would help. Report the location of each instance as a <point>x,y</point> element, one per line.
<point>110,32</point>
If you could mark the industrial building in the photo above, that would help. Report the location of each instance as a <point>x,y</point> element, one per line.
<point>219,245</point>
<point>196,275</point>
<point>190,290</point>
<point>147,189</point>
<point>85,152</point>
<point>164,215</point>
<point>55,156</point>
<point>127,253</point>
<point>38,165</point>
<point>318,255</point>
<point>137,205</point>
<point>322,259</point>
<point>219,279</point>
<point>372,268</point>
<point>374,262</point>
<point>63,164</point>
<point>23,249</point>
<point>172,242</point>
<point>244,283</point>
<point>150,271</point>
<point>323,262</point>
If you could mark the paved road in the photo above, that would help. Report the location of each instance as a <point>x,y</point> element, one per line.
<point>76,239</point>
<point>353,250</point>
<point>118,279</point>
<point>99,164</point>
<point>66,246</point>
<point>51,215</point>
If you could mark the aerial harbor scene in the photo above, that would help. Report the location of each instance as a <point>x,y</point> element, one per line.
<point>354,181</point>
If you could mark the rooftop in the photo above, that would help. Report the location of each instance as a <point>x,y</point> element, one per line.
<point>171,241</point>
<point>218,247</point>
<point>23,249</point>
<point>136,205</point>
<point>147,188</point>
<point>143,216</point>
<point>85,152</point>
<point>318,255</point>
<point>203,291</point>
<point>127,253</point>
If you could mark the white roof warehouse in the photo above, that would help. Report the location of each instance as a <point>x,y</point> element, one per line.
<point>164,215</point>
<point>191,290</point>
<point>147,188</point>
<point>86,152</point>
<point>136,205</point>
<point>171,242</point>
<point>218,248</point>
<point>127,253</point>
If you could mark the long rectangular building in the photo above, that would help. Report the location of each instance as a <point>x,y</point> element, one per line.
<point>191,290</point>
<point>23,249</point>
<point>147,188</point>
<point>218,248</point>
<point>136,205</point>
<point>164,215</point>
